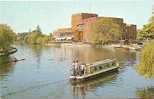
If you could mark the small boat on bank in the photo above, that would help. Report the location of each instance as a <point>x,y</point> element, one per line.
<point>12,50</point>
<point>96,69</point>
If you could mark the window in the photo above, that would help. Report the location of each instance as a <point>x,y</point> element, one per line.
<point>100,67</point>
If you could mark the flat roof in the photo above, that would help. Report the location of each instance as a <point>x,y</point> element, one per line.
<point>84,13</point>
<point>103,62</point>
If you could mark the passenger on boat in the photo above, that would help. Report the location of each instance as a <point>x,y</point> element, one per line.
<point>73,68</point>
<point>87,69</point>
<point>82,69</point>
<point>77,68</point>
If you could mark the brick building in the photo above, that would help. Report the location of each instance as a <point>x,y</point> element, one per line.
<point>131,32</point>
<point>81,26</point>
<point>78,24</point>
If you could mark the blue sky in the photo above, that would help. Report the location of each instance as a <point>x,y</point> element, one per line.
<point>50,15</point>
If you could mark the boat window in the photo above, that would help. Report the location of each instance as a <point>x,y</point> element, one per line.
<point>113,63</point>
<point>100,67</point>
<point>107,65</point>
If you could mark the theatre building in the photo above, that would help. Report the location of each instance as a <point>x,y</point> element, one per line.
<point>81,26</point>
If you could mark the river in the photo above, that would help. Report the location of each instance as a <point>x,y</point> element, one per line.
<point>45,71</point>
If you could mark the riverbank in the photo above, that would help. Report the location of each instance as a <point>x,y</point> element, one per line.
<point>108,46</point>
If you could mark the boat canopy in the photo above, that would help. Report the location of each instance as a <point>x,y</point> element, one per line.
<point>103,62</point>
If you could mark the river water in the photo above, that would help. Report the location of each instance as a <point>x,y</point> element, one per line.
<point>45,71</point>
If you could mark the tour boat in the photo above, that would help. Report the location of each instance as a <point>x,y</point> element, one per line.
<point>97,69</point>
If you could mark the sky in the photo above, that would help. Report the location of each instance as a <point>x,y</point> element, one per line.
<point>50,15</point>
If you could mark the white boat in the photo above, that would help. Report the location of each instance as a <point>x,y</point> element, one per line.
<point>97,69</point>
<point>12,50</point>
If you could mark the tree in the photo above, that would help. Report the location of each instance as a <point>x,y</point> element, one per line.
<point>146,66</point>
<point>147,31</point>
<point>105,31</point>
<point>7,37</point>
<point>34,36</point>
<point>38,29</point>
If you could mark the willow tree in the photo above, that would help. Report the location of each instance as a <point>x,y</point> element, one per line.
<point>146,66</point>
<point>7,36</point>
<point>105,31</point>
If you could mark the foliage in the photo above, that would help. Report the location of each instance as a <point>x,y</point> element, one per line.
<point>38,29</point>
<point>105,31</point>
<point>148,30</point>
<point>36,37</point>
<point>7,36</point>
<point>21,36</point>
<point>146,66</point>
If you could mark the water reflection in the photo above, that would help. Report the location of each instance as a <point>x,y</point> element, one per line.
<point>80,89</point>
<point>6,66</point>
<point>83,54</point>
<point>146,93</point>
<point>90,54</point>
<point>37,52</point>
<point>125,55</point>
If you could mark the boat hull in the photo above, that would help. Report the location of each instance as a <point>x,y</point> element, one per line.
<point>101,74</point>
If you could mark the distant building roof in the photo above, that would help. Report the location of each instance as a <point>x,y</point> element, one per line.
<point>64,30</point>
<point>110,17</point>
<point>84,13</point>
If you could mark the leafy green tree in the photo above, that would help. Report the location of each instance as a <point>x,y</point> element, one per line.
<point>32,37</point>
<point>105,31</point>
<point>7,37</point>
<point>147,31</point>
<point>146,66</point>
<point>36,37</point>
<point>38,29</point>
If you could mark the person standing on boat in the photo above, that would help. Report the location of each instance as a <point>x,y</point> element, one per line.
<point>82,69</point>
<point>77,68</point>
<point>87,69</point>
<point>74,68</point>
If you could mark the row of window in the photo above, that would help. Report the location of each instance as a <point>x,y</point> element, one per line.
<point>97,68</point>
